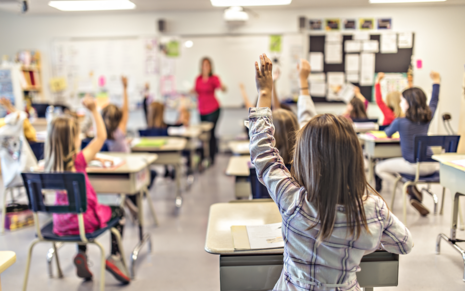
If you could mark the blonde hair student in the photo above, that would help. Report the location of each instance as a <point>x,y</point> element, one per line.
<point>391,109</point>
<point>156,115</point>
<point>331,216</point>
<point>63,154</point>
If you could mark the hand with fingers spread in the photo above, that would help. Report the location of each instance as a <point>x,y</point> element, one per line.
<point>379,78</point>
<point>304,70</point>
<point>435,77</point>
<point>6,103</point>
<point>124,80</point>
<point>89,103</point>
<point>264,81</point>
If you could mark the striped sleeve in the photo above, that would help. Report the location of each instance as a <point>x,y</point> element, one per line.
<point>396,238</point>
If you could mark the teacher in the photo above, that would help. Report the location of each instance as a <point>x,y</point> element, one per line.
<point>209,107</point>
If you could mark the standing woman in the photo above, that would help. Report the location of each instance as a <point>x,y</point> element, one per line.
<point>209,108</point>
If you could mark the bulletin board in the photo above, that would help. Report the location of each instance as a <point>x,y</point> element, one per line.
<point>384,62</point>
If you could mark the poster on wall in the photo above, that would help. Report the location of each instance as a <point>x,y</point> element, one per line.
<point>350,24</point>
<point>333,24</point>
<point>316,24</point>
<point>384,23</point>
<point>405,40</point>
<point>275,43</point>
<point>366,24</point>
<point>389,43</point>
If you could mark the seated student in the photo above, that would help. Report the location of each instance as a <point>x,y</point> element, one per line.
<point>418,116</point>
<point>326,187</point>
<point>29,130</point>
<point>357,107</point>
<point>392,109</point>
<point>62,154</point>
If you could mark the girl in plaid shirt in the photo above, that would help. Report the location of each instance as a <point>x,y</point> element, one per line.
<point>331,216</point>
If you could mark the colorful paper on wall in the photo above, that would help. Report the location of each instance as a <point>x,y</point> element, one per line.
<point>275,43</point>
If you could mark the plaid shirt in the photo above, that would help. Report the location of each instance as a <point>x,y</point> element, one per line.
<point>333,264</point>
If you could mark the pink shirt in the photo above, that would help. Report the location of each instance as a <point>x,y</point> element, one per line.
<point>95,217</point>
<point>206,94</point>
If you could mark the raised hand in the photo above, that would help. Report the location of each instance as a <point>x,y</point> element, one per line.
<point>6,103</point>
<point>124,80</point>
<point>264,80</point>
<point>379,77</point>
<point>304,69</point>
<point>435,77</point>
<point>356,90</point>
<point>89,103</point>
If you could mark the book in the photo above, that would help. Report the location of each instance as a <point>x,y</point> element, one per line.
<point>106,161</point>
<point>382,135</point>
<point>257,237</point>
<point>148,142</point>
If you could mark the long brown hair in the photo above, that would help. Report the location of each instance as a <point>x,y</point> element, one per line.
<point>393,102</point>
<point>112,116</point>
<point>328,163</point>
<point>358,109</point>
<point>206,59</point>
<point>286,127</point>
<point>156,114</point>
<point>418,111</point>
<point>60,145</point>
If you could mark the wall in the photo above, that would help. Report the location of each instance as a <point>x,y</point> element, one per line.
<point>439,37</point>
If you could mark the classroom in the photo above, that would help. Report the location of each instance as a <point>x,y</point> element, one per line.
<point>232,145</point>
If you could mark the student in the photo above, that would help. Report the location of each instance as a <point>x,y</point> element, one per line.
<point>116,120</point>
<point>418,116</point>
<point>392,109</point>
<point>357,107</point>
<point>156,115</point>
<point>327,187</point>
<point>62,155</point>
<point>29,130</point>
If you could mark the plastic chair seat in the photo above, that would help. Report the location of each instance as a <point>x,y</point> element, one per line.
<point>48,234</point>
<point>433,178</point>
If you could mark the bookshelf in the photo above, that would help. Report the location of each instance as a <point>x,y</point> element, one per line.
<point>31,74</point>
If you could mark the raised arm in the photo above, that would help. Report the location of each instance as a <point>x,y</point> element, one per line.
<point>387,112</point>
<point>396,238</point>
<point>433,103</point>
<point>393,128</point>
<point>97,142</point>
<point>358,94</point>
<point>125,109</point>
<point>29,130</point>
<point>245,97</point>
<point>305,106</point>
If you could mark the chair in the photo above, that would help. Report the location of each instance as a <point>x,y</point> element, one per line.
<point>86,141</point>
<point>75,186</point>
<point>38,149</point>
<point>259,191</point>
<point>365,120</point>
<point>153,132</point>
<point>422,153</point>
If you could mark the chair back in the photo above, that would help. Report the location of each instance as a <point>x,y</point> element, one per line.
<point>423,144</point>
<point>38,149</point>
<point>86,141</point>
<point>153,132</point>
<point>73,183</point>
<point>372,120</point>
<point>259,191</point>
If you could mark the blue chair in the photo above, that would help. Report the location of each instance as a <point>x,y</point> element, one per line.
<point>423,153</point>
<point>373,120</point>
<point>75,186</point>
<point>38,149</point>
<point>153,132</point>
<point>86,141</point>
<point>259,191</point>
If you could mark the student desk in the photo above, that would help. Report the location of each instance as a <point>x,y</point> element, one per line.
<point>259,270</point>
<point>39,124</point>
<point>239,168</point>
<point>239,147</point>
<point>168,154</point>
<point>453,177</point>
<point>379,149</point>
<point>7,258</point>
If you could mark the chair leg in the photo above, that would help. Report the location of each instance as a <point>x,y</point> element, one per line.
<point>404,193</point>
<point>120,246</point>
<point>102,265</point>
<point>28,263</point>
<point>462,226</point>
<point>394,190</point>
<point>55,250</point>
<point>152,209</point>
<point>2,226</point>
<point>441,211</point>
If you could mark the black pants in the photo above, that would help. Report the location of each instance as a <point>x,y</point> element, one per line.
<point>116,211</point>
<point>145,107</point>
<point>212,117</point>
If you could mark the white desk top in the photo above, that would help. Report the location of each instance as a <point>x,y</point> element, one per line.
<point>192,131</point>
<point>7,258</point>
<point>238,166</point>
<point>135,162</point>
<point>239,147</point>
<point>223,215</point>
<point>369,138</point>
<point>448,158</point>
<point>172,144</point>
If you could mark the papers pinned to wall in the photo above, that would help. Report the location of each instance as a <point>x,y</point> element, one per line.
<point>370,46</point>
<point>367,69</point>
<point>389,43</point>
<point>405,40</point>
<point>361,35</point>
<point>334,37</point>
<point>352,63</point>
<point>336,81</point>
<point>353,77</point>
<point>353,46</point>
<point>316,61</point>
<point>333,53</point>
<point>318,85</point>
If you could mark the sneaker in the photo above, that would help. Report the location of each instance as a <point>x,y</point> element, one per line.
<point>114,265</point>
<point>415,193</point>
<point>82,267</point>
<point>419,207</point>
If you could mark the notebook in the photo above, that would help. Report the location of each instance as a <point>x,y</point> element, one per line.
<point>110,162</point>
<point>382,135</point>
<point>257,237</point>
<point>148,142</point>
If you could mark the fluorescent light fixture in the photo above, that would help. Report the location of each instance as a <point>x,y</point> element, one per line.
<point>228,3</point>
<point>403,1</point>
<point>87,5</point>
<point>189,44</point>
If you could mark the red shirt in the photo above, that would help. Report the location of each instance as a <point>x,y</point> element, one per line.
<point>389,115</point>
<point>206,94</point>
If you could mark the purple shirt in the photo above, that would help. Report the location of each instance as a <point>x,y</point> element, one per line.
<point>118,143</point>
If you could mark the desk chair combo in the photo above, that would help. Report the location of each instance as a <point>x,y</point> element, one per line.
<point>449,144</point>
<point>74,185</point>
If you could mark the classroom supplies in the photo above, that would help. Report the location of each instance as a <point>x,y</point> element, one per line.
<point>148,142</point>
<point>382,135</point>
<point>109,162</point>
<point>257,237</point>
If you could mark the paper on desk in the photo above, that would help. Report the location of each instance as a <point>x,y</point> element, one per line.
<point>405,40</point>
<point>268,236</point>
<point>108,161</point>
<point>316,61</point>
<point>352,62</point>
<point>177,130</point>
<point>460,163</point>
<point>389,43</point>
<point>333,53</point>
<point>367,69</point>
<point>370,46</point>
<point>353,46</point>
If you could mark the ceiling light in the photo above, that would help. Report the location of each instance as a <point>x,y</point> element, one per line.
<point>92,5</point>
<point>228,3</point>
<point>403,1</point>
<point>189,44</point>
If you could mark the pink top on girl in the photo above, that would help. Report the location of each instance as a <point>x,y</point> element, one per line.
<point>206,94</point>
<point>95,217</point>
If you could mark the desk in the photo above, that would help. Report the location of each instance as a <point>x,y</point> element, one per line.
<point>260,269</point>
<point>39,124</point>
<point>453,177</point>
<point>239,147</point>
<point>7,258</point>
<point>379,149</point>
<point>168,154</point>
<point>239,168</point>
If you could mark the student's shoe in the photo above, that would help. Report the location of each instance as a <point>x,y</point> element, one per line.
<point>415,193</point>
<point>114,264</point>
<point>82,268</point>
<point>419,207</point>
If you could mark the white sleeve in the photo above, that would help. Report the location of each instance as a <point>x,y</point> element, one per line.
<point>305,109</point>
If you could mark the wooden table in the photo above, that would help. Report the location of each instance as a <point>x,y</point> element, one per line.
<point>259,270</point>
<point>452,176</point>
<point>239,168</point>
<point>168,154</point>
<point>239,147</point>
<point>379,149</point>
<point>7,258</point>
